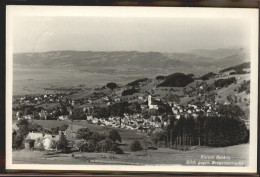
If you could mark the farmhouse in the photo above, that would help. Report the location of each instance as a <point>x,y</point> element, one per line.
<point>36,139</point>
<point>36,135</point>
<point>70,132</point>
<point>89,118</point>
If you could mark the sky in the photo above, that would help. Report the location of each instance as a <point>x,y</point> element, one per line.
<point>40,34</point>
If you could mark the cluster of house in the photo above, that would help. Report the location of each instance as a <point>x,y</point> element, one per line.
<point>133,122</point>
<point>192,110</point>
<point>44,141</point>
<point>137,121</point>
<point>41,99</point>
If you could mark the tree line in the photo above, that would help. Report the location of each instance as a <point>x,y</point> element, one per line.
<point>213,131</point>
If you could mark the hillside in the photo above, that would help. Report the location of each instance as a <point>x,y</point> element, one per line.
<point>208,76</point>
<point>219,53</point>
<point>232,60</point>
<point>242,66</point>
<point>129,60</point>
<point>84,59</point>
<point>35,71</point>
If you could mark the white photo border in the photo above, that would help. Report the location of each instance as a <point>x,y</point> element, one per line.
<point>13,11</point>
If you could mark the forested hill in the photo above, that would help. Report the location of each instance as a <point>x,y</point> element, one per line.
<point>242,66</point>
<point>177,80</point>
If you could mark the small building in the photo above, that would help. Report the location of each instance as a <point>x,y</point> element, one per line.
<point>63,117</point>
<point>28,117</point>
<point>178,116</point>
<point>71,131</point>
<point>89,118</point>
<point>175,111</point>
<point>36,135</point>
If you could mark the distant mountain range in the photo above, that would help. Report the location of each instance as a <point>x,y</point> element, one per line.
<point>124,61</point>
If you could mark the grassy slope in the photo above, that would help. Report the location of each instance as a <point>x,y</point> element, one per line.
<point>158,157</point>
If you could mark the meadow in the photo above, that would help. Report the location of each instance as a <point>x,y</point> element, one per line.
<point>162,156</point>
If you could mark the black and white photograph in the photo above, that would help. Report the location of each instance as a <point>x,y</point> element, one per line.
<point>132,88</point>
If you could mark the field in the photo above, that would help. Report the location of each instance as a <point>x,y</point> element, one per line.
<point>33,81</point>
<point>162,156</point>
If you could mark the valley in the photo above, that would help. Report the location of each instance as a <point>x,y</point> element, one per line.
<point>157,103</point>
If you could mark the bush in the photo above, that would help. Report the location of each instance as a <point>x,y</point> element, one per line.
<point>89,146</point>
<point>136,146</point>
<point>55,131</point>
<point>114,136</point>
<point>83,133</point>
<point>104,145</point>
<point>111,85</point>
<point>97,137</point>
<point>117,149</point>
<point>62,143</point>
<point>17,142</point>
<point>79,144</point>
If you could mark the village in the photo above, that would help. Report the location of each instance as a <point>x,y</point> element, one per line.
<point>141,106</point>
<point>135,121</point>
